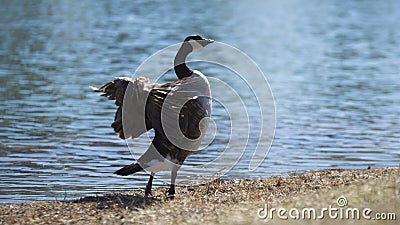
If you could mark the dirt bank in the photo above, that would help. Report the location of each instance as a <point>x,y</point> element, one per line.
<point>224,201</point>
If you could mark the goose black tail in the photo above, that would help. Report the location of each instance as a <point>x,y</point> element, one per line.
<point>129,169</point>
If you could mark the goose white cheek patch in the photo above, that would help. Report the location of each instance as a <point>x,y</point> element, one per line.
<point>195,45</point>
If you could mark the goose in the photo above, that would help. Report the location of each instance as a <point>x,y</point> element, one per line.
<point>178,112</point>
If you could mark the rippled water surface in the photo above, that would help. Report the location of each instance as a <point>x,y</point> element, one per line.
<point>333,68</point>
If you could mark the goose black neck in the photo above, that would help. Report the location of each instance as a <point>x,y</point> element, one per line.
<point>181,70</point>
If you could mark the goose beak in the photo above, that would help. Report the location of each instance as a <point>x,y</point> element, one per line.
<point>207,41</point>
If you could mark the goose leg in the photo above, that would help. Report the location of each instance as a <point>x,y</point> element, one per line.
<point>171,191</point>
<point>147,192</point>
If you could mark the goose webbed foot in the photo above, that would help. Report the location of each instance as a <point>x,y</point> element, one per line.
<point>148,193</point>
<point>171,192</point>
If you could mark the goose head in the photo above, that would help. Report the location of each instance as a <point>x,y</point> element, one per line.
<point>197,42</point>
<point>190,44</point>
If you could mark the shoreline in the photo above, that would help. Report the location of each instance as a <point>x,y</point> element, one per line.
<point>219,201</point>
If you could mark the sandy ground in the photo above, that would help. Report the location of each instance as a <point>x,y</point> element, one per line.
<point>235,202</point>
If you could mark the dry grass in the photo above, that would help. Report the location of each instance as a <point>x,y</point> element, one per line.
<point>219,201</point>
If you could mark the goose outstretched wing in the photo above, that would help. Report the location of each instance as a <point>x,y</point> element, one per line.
<point>135,91</point>
<point>175,110</point>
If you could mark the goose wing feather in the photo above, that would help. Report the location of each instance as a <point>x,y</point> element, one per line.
<point>144,103</point>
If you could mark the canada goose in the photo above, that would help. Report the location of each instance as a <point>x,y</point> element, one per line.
<point>187,99</point>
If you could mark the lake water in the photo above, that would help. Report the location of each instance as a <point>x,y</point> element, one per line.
<point>333,67</point>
